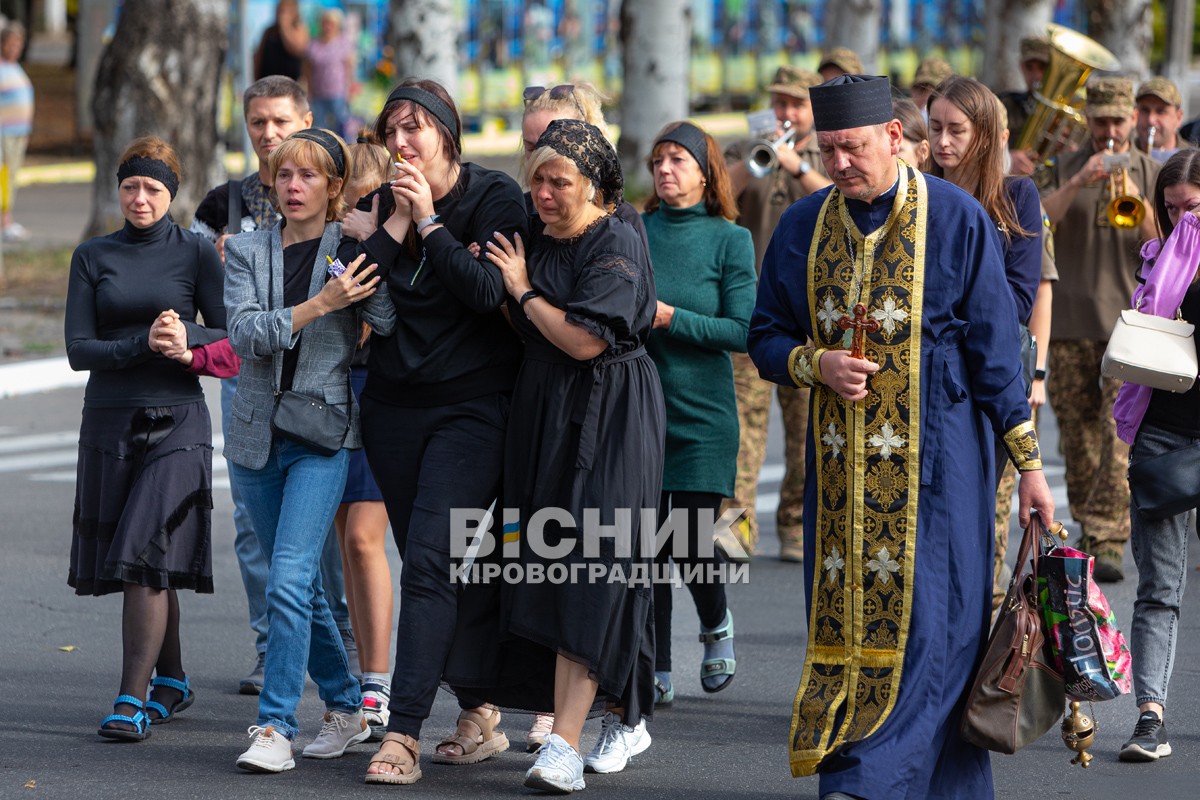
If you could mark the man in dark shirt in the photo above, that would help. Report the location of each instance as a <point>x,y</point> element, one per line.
<point>275,107</point>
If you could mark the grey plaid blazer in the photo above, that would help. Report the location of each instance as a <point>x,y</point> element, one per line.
<point>261,329</point>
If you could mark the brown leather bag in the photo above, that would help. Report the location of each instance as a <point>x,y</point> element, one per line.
<point>1018,694</point>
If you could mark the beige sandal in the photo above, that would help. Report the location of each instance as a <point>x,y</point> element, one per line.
<point>476,736</point>
<point>409,763</point>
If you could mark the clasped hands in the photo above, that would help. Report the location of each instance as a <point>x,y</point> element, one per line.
<point>169,337</point>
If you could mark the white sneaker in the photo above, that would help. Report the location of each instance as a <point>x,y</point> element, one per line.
<point>375,709</point>
<point>270,751</point>
<point>617,744</point>
<point>538,731</point>
<point>339,732</point>
<point>558,768</point>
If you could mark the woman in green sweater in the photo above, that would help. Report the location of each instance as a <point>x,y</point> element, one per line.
<point>704,273</point>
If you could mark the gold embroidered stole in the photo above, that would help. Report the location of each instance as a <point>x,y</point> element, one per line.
<point>868,476</point>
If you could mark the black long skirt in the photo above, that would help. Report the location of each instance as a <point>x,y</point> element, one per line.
<point>143,499</point>
<point>574,442</point>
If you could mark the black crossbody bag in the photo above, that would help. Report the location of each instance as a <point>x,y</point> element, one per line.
<point>306,420</point>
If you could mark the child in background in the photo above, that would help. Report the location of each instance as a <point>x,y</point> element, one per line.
<point>361,519</point>
<point>16,121</point>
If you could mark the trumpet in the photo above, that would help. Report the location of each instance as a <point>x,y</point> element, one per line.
<point>763,156</point>
<point>1124,210</point>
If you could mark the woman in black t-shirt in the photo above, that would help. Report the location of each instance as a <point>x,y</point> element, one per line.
<point>435,406</point>
<point>1155,422</point>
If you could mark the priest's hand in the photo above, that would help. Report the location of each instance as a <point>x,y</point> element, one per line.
<point>845,374</point>
<point>1034,492</point>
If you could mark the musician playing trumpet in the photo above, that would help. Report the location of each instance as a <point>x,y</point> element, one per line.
<point>1097,261</point>
<point>797,173</point>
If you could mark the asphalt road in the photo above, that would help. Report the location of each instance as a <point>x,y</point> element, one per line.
<point>59,669</point>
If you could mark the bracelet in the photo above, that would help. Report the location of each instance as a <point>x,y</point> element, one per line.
<point>525,298</point>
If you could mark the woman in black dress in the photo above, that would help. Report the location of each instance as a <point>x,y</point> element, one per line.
<point>585,437</point>
<point>143,495</point>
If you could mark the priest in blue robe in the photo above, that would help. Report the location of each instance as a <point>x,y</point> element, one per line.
<point>886,294</point>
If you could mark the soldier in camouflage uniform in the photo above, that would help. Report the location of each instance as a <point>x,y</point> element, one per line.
<point>1097,263</point>
<point>1035,57</point>
<point>761,202</point>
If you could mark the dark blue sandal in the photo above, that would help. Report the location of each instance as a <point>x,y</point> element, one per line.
<point>139,721</point>
<point>165,714</point>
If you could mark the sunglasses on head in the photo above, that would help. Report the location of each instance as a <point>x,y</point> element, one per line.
<point>560,92</point>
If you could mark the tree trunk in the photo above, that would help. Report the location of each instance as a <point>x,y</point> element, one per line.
<point>1006,23</point>
<point>1124,27</point>
<point>159,76</point>
<point>655,36</point>
<point>855,24</point>
<point>424,39</point>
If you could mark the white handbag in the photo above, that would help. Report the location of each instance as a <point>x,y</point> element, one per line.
<point>1151,351</point>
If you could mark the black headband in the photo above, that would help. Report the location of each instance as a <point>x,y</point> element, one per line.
<point>144,167</point>
<point>692,139</point>
<point>431,103</point>
<point>329,143</point>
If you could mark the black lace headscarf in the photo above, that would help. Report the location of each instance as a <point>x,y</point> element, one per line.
<point>586,146</point>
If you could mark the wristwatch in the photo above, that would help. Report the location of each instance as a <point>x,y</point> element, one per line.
<point>424,223</point>
<point>805,168</point>
<point>1039,374</point>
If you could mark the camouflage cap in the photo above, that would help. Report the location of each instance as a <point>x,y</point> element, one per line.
<point>1035,48</point>
<point>1110,96</point>
<point>793,81</point>
<point>1163,89</point>
<point>843,58</point>
<point>931,72</point>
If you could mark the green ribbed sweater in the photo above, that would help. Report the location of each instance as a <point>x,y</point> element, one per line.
<point>704,266</point>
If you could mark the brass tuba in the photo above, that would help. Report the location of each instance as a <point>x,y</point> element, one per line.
<point>1056,121</point>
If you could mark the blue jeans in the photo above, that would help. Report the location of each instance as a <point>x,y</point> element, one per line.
<point>253,564</point>
<point>292,501</point>
<point>1160,550</point>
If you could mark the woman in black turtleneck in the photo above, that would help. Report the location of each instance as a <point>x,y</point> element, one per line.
<point>143,494</point>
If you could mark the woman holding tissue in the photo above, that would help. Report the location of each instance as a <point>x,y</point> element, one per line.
<point>1155,422</point>
<point>435,406</point>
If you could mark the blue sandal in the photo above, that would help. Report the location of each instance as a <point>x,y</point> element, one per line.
<point>139,721</point>
<point>718,667</point>
<point>165,714</point>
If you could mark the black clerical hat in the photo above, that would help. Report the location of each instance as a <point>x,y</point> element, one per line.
<point>851,101</point>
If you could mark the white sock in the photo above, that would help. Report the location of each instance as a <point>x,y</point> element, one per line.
<point>380,678</point>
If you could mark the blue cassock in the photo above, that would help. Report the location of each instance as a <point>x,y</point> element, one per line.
<point>970,383</point>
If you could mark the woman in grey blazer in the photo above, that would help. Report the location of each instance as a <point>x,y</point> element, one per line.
<point>295,324</point>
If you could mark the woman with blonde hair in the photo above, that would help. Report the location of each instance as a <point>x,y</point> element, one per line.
<point>704,275</point>
<point>294,318</point>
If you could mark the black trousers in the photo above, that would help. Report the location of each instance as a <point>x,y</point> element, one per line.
<point>709,596</point>
<point>428,461</point>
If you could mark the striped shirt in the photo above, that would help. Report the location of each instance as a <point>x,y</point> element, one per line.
<point>16,100</point>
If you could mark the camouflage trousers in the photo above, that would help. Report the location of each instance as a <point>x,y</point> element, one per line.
<point>754,406</point>
<point>1096,460</point>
